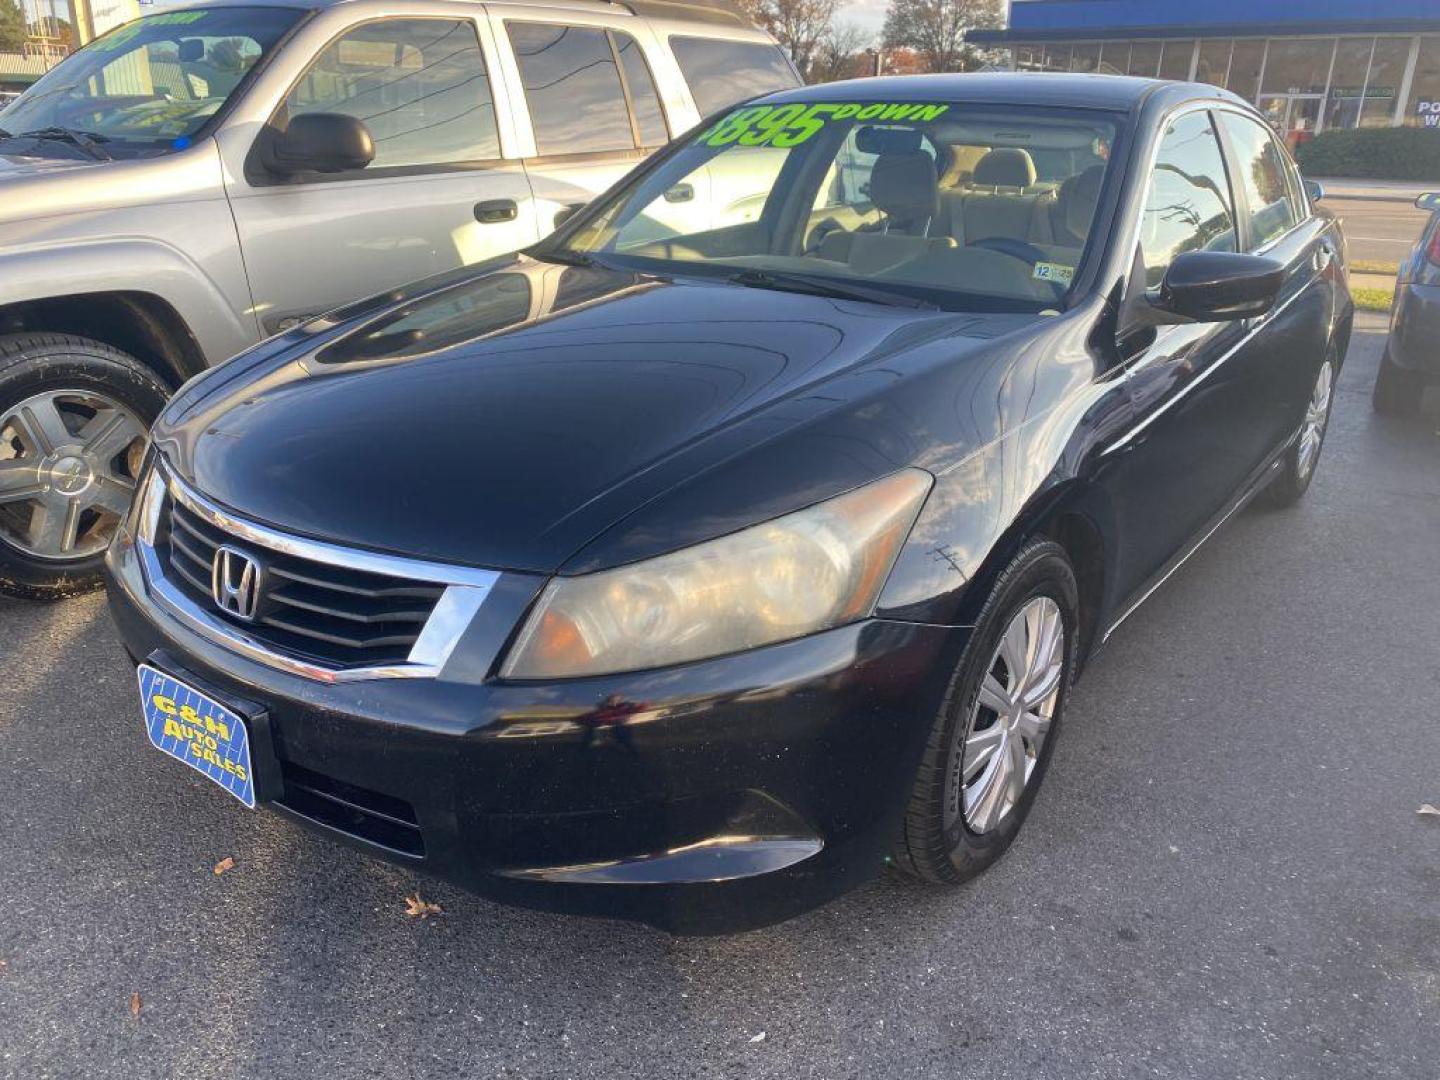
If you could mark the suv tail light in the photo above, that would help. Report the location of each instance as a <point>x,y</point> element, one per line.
<point>1432,250</point>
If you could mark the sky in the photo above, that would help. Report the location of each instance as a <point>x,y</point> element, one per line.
<point>868,14</point>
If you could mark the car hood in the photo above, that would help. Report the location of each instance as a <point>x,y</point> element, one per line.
<point>510,419</point>
<point>17,166</point>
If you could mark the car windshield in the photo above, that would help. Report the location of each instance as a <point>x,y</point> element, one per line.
<point>953,205</point>
<point>150,85</point>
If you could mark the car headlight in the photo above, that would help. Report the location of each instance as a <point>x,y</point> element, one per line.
<point>808,571</point>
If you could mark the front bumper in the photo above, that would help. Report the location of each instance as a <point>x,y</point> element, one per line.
<point>1415,329</point>
<point>708,798</point>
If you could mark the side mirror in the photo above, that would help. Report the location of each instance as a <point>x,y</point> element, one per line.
<point>320,142</point>
<point>190,50</point>
<point>1219,286</point>
<point>1314,190</point>
<point>1430,202</point>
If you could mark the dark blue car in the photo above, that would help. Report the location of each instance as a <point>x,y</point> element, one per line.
<point>1412,356</point>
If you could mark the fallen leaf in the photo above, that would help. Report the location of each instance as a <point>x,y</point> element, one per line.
<point>415,907</point>
<point>1428,810</point>
<point>135,1003</point>
<point>758,1038</point>
<point>4,965</point>
<point>224,864</point>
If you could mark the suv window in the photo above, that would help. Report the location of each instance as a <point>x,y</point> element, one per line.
<point>580,99</point>
<point>1264,173</point>
<point>419,85</point>
<point>1188,207</point>
<point>720,73</point>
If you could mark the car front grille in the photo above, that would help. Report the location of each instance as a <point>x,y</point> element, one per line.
<point>314,610</point>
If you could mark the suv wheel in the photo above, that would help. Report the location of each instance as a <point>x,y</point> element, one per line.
<point>73,418</point>
<point>992,740</point>
<point>1397,390</point>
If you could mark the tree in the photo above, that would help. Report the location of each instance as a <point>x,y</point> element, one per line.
<point>936,29</point>
<point>836,53</point>
<point>799,25</point>
<point>12,26</point>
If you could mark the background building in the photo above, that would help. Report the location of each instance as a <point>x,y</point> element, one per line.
<point>1310,65</point>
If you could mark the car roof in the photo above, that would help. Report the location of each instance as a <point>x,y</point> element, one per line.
<point>722,12</point>
<point>1115,93</point>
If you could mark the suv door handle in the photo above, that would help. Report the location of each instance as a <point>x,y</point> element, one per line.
<point>681,192</point>
<point>493,211</point>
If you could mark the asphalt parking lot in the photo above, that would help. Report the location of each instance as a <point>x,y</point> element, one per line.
<point>1225,875</point>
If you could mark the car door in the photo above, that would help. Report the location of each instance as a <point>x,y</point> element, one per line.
<point>1191,386</point>
<point>588,102</point>
<point>1284,348</point>
<point>439,194</point>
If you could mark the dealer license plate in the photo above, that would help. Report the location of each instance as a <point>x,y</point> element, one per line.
<point>197,730</point>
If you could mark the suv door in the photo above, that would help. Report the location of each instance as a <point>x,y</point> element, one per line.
<point>591,100</point>
<point>439,193</point>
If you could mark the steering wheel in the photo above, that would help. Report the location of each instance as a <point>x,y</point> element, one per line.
<point>1029,254</point>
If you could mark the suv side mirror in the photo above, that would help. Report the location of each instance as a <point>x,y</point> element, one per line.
<point>1219,286</point>
<point>1314,190</point>
<point>1430,201</point>
<point>320,142</point>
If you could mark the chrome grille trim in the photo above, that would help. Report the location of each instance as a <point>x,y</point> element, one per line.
<point>465,588</point>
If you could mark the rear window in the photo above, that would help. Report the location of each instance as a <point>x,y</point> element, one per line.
<point>720,73</point>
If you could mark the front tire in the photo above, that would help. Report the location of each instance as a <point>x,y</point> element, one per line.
<point>73,418</point>
<point>993,737</point>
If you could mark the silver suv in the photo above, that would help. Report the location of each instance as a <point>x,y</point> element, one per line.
<point>200,179</point>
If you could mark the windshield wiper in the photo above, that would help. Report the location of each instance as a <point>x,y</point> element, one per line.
<point>85,140</point>
<point>818,285</point>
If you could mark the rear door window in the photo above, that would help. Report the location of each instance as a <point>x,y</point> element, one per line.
<point>588,90</point>
<point>1263,173</point>
<point>720,73</point>
<point>419,85</point>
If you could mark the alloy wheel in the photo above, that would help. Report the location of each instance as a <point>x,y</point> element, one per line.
<point>68,463</point>
<point>1317,414</point>
<point>1010,718</point>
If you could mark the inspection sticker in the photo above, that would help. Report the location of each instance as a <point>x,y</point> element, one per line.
<point>1054,272</point>
<point>190,727</point>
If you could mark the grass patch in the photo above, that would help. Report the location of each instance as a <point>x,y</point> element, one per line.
<point>1371,266</point>
<point>1372,299</point>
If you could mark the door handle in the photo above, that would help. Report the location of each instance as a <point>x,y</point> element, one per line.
<point>494,211</point>
<point>681,192</point>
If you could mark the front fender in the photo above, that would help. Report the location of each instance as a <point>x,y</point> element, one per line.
<point>130,265</point>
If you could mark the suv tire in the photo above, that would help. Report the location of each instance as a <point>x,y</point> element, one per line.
<point>67,469</point>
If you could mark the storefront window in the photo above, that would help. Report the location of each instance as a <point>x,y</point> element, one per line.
<point>1176,60</point>
<point>1057,57</point>
<point>1347,82</point>
<point>1387,72</point>
<point>1298,67</point>
<point>1214,63</point>
<point>1115,57</point>
<point>1245,65</point>
<point>1423,108</point>
<point>1030,58</point>
<point>1085,58</point>
<point>1145,58</point>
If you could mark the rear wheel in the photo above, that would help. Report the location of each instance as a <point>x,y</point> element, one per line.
<point>992,740</point>
<point>1297,467</point>
<point>1397,390</point>
<point>73,418</point>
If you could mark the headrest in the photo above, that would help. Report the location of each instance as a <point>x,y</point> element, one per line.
<point>960,165</point>
<point>904,186</point>
<point>1007,167</point>
<point>1079,197</point>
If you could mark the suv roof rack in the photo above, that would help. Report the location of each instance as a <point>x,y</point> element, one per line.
<point>719,12</point>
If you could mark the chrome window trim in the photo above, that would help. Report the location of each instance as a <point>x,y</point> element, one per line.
<point>466,589</point>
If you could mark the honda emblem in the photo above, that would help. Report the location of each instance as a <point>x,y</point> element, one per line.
<point>235,582</point>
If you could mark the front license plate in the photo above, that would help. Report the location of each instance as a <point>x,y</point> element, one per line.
<point>197,730</point>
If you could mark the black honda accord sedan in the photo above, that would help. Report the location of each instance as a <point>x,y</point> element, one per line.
<point>743,537</point>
